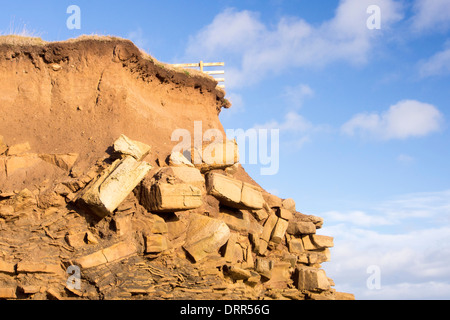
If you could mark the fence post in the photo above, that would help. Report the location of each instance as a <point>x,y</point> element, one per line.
<point>201,66</point>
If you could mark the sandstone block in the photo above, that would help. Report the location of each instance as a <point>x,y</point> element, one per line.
<point>284,214</point>
<point>307,243</point>
<point>6,267</point>
<point>155,243</point>
<point>187,175</point>
<point>19,149</point>
<point>288,204</point>
<point>344,296</point>
<point>312,279</point>
<point>296,246</point>
<point>177,159</point>
<point>272,200</point>
<point>297,228</point>
<point>237,273</point>
<point>165,197</point>
<point>123,225</point>
<point>63,161</point>
<point>280,273</point>
<point>113,253</point>
<point>216,155</point>
<point>269,225</point>
<point>251,197</point>
<point>127,147</point>
<point>235,219</point>
<point>234,193</point>
<point>322,241</point>
<point>225,189</point>
<point>37,267</point>
<point>204,236</point>
<point>264,267</point>
<point>8,292</point>
<point>106,193</point>
<point>279,231</point>
<point>76,240</point>
<point>16,163</point>
<point>230,247</point>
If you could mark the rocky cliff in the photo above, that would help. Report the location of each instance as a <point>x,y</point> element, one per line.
<point>96,204</point>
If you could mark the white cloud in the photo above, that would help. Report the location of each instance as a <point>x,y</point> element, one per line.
<point>413,254</point>
<point>358,218</point>
<point>259,49</point>
<point>407,118</point>
<point>431,15</point>
<point>296,95</point>
<point>295,128</point>
<point>438,64</point>
<point>293,122</point>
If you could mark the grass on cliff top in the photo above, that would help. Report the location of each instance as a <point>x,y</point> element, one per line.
<point>29,39</point>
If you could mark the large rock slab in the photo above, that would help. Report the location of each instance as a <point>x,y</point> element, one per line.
<point>127,147</point>
<point>204,236</point>
<point>312,279</point>
<point>166,197</point>
<point>216,155</point>
<point>113,253</point>
<point>234,193</point>
<point>104,195</point>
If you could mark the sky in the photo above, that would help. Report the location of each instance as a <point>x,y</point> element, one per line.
<point>359,91</point>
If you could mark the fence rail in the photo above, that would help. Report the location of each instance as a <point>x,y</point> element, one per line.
<point>201,65</point>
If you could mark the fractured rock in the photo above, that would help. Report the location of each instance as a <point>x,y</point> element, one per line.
<point>37,267</point>
<point>165,197</point>
<point>177,159</point>
<point>204,236</point>
<point>8,292</point>
<point>237,273</point>
<point>322,241</point>
<point>296,246</point>
<point>288,204</point>
<point>297,228</point>
<point>18,149</point>
<point>113,253</point>
<point>312,279</point>
<point>279,231</point>
<point>187,175</point>
<point>155,243</point>
<point>63,161</point>
<point>216,155</point>
<point>105,194</point>
<point>127,147</point>
<point>6,267</point>
<point>234,193</point>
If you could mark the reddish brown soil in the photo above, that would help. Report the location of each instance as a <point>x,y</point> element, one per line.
<point>80,96</point>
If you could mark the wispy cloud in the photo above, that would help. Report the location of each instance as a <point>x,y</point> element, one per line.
<point>259,50</point>
<point>296,95</point>
<point>431,15</point>
<point>407,238</point>
<point>407,118</point>
<point>438,64</point>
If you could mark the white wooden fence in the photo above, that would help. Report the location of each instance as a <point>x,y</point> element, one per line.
<point>202,65</point>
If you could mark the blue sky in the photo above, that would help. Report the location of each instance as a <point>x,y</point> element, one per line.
<point>362,113</point>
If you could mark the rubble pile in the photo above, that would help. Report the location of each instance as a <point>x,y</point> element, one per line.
<point>174,231</point>
<point>95,203</point>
